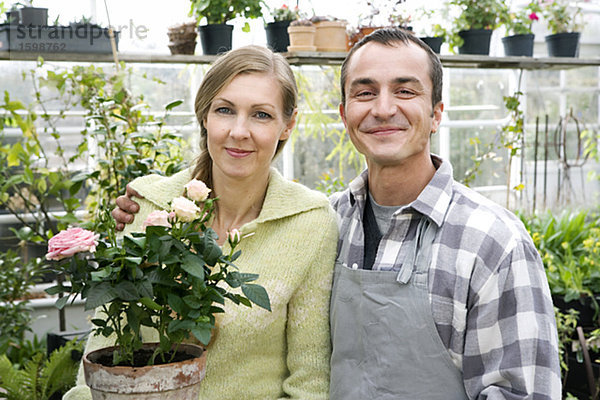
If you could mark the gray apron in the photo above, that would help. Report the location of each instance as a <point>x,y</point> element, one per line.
<point>385,343</point>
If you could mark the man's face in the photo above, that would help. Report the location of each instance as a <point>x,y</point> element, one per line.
<point>388,112</point>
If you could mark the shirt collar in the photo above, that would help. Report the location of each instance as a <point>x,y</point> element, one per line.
<point>433,201</point>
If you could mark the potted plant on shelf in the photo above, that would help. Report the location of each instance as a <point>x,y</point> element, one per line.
<point>302,35</point>
<point>519,38</point>
<point>182,38</point>
<point>367,23</point>
<point>474,24</point>
<point>429,28</point>
<point>33,16</point>
<point>171,279</point>
<point>277,35</point>
<point>216,34</point>
<point>330,34</point>
<point>564,22</point>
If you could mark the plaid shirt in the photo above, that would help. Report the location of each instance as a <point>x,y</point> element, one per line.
<point>489,295</point>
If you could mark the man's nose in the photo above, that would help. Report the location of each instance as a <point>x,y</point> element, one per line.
<point>385,106</point>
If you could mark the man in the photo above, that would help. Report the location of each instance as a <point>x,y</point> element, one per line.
<point>438,292</point>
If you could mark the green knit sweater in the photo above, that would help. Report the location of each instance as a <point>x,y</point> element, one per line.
<point>256,354</point>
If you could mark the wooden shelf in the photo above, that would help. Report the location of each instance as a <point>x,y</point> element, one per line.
<point>318,58</point>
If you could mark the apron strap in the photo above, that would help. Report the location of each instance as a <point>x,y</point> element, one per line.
<point>423,239</point>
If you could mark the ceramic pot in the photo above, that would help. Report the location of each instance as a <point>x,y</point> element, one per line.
<point>173,381</point>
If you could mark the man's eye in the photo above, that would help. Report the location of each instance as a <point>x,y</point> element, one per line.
<point>364,93</point>
<point>405,93</point>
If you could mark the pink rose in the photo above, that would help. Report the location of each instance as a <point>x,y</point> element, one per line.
<point>197,190</point>
<point>70,242</point>
<point>185,209</point>
<point>234,236</point>
<point>158,218</point>
<point>534,17</point>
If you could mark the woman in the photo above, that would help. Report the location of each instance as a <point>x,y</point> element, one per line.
<point>246,108</point>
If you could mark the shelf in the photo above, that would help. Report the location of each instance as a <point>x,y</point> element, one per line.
<point>319,58</point>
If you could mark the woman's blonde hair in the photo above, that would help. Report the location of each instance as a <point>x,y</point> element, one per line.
<point>244,60</point>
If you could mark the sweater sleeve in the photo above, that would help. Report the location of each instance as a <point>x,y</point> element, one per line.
<point>309,343</point>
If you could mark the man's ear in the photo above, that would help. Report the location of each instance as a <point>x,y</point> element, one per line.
<point>343,113</point>
<point>437,116</point>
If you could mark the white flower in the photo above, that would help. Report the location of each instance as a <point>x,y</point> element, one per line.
<point>157,218</point>
<point>197,190</point>
<point>185,209</point>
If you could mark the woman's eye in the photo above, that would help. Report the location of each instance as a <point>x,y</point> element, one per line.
<point>223,110</point>
<point>263,115</point>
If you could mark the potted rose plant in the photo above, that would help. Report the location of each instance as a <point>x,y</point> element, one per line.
<point>565,23</point>
<point>519,38</point>
<point>277,36</point>
<point>171,278</point>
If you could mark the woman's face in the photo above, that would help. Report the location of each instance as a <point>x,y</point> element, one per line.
<point>245,122</point>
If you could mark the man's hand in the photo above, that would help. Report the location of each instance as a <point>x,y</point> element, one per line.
<point>124,212</point>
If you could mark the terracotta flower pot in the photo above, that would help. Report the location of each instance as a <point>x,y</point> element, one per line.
<point>302,38</point>
<point>176,381</point>
<point>331,36</point>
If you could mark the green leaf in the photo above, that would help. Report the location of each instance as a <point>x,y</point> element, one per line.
<point>203,334</point>
<point>173,104</point>
<point>193,301</point>
<point>194,265</point>
<point>178,324</point>
<point>137,241</point>
<point>57,289</point>
<point>98,295</point>
<point>127,291</point>
<point>257,294</point>
<point>212,251</point>
<point>175,303</point>
<point>61,302</point>
<point>150,303</point>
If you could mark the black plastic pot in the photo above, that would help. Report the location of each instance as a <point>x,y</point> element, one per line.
<point>13,17</point>
<point>587,317</point>
<point>476,41</point>
<point>518,45</point>
<point>435,42</point>
<point>215,39</point>
<point>277,36</point>
<point>35,16</point>
<point>564,44</point>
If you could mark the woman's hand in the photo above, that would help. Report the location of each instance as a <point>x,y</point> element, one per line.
<point>126,208</point>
